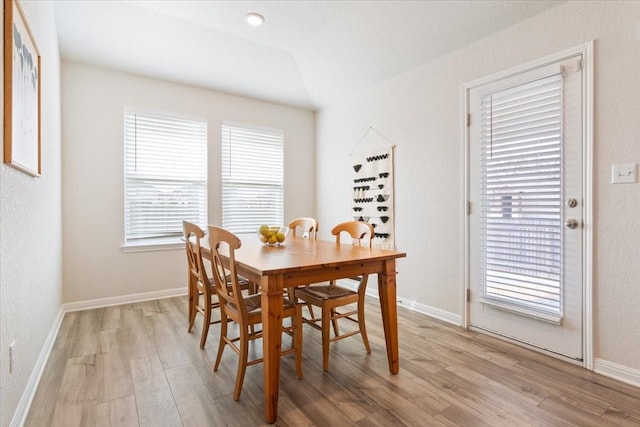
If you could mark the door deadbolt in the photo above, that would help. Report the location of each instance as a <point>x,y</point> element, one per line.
<point>571,223</point>
<point>572,203</point>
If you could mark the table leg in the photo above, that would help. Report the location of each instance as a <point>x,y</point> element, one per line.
<point>389,309</point>
<point>272,302</point>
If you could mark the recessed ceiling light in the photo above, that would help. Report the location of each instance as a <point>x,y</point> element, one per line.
<point>254,19</point>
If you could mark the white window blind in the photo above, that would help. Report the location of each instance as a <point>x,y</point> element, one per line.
<point>521,173</point>
<point>165,176</point>
<point>252,178</point>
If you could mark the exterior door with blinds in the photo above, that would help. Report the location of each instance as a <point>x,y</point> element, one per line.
<point>526,207</point>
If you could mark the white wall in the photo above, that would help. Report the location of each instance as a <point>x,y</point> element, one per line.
<point>421,112</point>
<point>93,206</point>
<point>30,232</point>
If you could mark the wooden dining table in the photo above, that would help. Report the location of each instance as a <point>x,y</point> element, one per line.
<point>299,262</point>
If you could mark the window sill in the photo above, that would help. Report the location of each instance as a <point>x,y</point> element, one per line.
<point>153,245</point>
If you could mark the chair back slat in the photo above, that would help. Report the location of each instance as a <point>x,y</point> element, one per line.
<point>223,245</point>
<point>308,227</point>
<point>360,232</point>
<point>192,236</point>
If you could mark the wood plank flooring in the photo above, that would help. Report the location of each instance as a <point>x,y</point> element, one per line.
<point>136,365</point>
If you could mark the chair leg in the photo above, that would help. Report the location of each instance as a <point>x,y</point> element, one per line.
<point>325,338</point>
<point>205,325</point>
<point>309,306</point>
<point>297,339</point>
<point>311,313</point>
<point>242,363</point>
<point>363,327</point>
<point>334,322</point>
<point>223,336</point>
<point>193,301</point>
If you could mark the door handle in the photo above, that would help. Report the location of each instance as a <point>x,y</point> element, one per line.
<point>571,223</point>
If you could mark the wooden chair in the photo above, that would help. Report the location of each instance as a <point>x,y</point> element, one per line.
<point>308,227</point>
<point>202,294</point>
<point>244,310</point>
<point>330,297</point>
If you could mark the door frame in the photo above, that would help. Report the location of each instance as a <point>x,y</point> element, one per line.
<point>586,50</point>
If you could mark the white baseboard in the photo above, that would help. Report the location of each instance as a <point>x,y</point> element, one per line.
<point>617,372</point>
<point>124,299</point>
<point>22,410</point>
<point>437,313</point>
<point>445,316</point>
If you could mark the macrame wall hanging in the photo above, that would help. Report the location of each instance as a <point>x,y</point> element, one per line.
<point>373,189</point>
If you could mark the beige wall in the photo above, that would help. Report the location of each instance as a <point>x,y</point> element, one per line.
<point>421,112</point>
<point>30,232</point>
<point>92,150</point>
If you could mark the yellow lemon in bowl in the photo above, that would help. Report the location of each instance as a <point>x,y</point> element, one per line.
<point>272,235</point>
<point>264,231</point>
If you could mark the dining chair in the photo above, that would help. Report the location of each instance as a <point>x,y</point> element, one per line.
<point>330,297</point>
<point>244,310</point>
<point>202,294</point>
<point>305,227</point>
<point>308,227</point>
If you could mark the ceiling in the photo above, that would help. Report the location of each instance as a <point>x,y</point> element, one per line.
<point>306,54</point>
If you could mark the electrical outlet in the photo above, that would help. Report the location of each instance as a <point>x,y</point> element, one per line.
<point>624,174</point>
<point>12,356</point>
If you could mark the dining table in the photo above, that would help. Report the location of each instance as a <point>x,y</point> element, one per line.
<point>299,262</point>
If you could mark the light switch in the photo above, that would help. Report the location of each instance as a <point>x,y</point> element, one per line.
<point>624,174</point>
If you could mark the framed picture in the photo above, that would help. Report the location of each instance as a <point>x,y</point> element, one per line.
<point>21,92</point>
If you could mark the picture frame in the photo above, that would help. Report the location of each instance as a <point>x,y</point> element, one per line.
<point>22,129</point>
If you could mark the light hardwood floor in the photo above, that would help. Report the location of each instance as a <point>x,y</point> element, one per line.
<point>136,365</point>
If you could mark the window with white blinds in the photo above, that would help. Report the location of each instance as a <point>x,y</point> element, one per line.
<point>521,208</point>
<point>165,176</point>
<point>252,178</point>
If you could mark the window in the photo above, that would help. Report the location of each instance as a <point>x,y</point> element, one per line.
<point>521,202</point>
<point>165,177</point>
<point>252,178</point>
